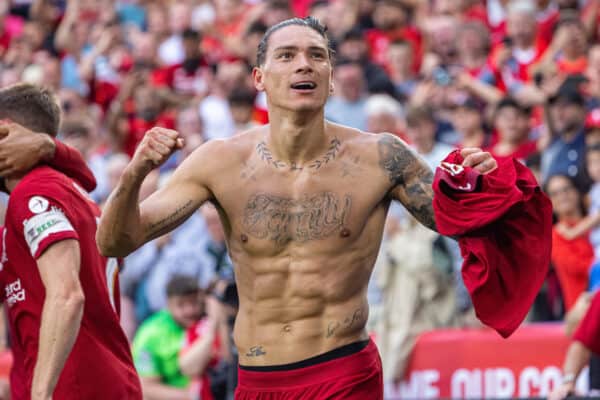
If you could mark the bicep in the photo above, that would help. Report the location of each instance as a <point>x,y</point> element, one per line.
<point>59,265</point>
<point>410,178</point>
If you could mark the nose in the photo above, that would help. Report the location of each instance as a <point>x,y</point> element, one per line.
<point>303,63</point>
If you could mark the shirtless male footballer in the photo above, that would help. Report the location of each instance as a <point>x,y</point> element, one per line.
<point>303,203</point>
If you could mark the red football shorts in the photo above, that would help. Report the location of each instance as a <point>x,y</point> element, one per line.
<point>351,372</point>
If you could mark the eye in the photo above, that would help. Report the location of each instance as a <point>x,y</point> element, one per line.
<point>318,56</point>
<point>286,55</point>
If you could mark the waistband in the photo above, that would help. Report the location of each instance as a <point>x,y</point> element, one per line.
<point>343,361</point>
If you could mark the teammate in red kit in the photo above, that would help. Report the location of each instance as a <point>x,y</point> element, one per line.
<point>61,294</point>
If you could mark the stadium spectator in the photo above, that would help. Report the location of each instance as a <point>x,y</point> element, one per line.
<point>348,101</point>
<point>157,343</point>
<point>571,258</point>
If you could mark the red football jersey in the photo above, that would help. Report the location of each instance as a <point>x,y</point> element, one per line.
<point>44,208</point>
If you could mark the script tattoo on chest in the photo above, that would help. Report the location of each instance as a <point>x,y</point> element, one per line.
<point>282,219</point>
<point>266,155</point>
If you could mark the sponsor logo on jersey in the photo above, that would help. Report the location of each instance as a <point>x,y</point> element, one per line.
<point>40,226</point>
<point>14,292</point>
<point>38,204</point>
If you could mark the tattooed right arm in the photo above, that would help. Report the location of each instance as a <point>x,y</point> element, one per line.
<point>126,224</point>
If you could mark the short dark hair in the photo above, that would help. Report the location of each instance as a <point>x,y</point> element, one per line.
<point>182,285</point>
<point>242,96</point>
<point>416,114</point>
<point>309,22</point>
<point>191,34</point>
<point>34,107</point>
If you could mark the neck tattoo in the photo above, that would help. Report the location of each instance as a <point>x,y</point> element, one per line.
<point>266,155</point>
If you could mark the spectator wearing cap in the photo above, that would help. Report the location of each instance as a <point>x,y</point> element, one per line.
<point>157,343</point>
<point>349,98</point>
<point>565,153</point>
<point>469,127</point>
<point>512,123</point>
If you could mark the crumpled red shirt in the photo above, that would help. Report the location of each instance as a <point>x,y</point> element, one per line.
<point>504,224</point>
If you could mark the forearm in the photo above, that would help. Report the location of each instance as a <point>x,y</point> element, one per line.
<point>61,319</point>
<point>159,391</point>
<point>119,232</point>
<point>193,362</point>
<point>578,356</point>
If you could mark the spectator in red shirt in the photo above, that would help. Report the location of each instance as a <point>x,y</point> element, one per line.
<point>523,48</point>
<point>571,258</point>
<point>391,20</point>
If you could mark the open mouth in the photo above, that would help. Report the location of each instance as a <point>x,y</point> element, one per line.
<point>305,85</point>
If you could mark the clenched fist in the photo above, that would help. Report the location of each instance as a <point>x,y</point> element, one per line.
<point>155,148</point>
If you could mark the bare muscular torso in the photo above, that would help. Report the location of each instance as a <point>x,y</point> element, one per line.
<point>303,241</point>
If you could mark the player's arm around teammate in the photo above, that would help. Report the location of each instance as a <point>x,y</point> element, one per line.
<point>125,224</point>
<point>61,316</point>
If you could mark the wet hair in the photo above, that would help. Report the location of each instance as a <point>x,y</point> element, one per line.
<point>182,285</point>
<point>34,107</point>
<point>309,22</point>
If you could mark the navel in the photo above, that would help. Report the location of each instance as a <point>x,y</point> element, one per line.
<point>243,238</point>
<point>345,232</point>
<point>287,328</point>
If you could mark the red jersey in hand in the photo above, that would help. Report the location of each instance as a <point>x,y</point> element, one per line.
<point>44,208</point>
<point>505,226</point>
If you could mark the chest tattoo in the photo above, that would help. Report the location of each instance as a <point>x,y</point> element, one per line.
<point>281,219</point>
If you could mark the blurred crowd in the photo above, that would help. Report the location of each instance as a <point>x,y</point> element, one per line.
<point>518,78</point>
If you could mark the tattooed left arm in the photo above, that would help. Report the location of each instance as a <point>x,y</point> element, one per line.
<point>410,176</point>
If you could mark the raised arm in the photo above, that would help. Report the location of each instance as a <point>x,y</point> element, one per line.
<point>411,177</point>
<point>125,224</point>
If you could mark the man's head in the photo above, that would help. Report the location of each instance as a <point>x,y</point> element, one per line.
<point>421,126</point>
<point>467,118</point>
<point>184,300</point>
<point>349,80</point>
<point>512,121</point>
<point>34,107</point>
<point>400,56</point>
<point>390,14</point>
<point>521,23</point>
<point>568,110</point>
<point>353,46</point>
<point>293,65</point>
<point>383,114</point>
